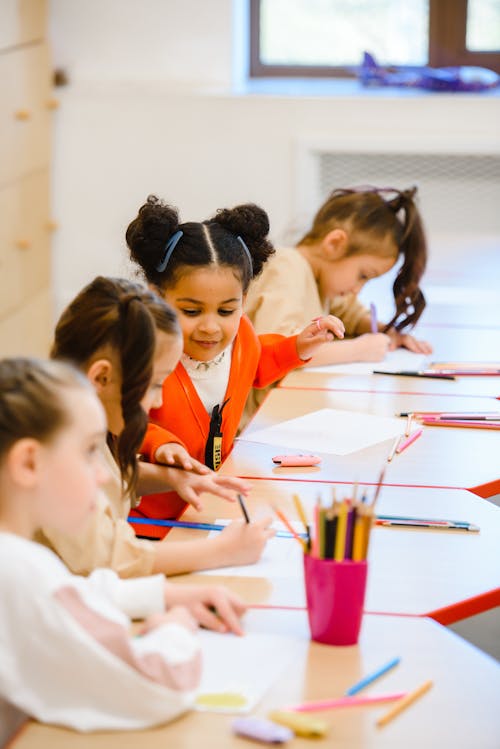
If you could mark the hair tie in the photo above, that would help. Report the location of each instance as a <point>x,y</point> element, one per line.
<point>169,248</point>
<point>246,251</point>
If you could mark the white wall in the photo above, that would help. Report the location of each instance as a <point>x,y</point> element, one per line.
<point>150,109</point>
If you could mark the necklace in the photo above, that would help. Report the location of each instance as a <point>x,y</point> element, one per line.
<point>202,366</point>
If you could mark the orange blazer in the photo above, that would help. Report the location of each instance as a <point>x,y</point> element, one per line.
<point>256,361</point>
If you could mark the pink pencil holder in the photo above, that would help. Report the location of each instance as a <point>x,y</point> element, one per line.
<point>335,593</point>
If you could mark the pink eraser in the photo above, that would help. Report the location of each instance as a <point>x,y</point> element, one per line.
<point>261,729</point>
<point>296,460</point>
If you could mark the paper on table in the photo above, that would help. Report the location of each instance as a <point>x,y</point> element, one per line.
<point>241,669</point>
<point>394,361</point>
<point>329,430</point>
<point>282,557</point>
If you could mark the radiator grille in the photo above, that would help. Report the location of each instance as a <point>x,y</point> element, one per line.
<point>458,193</point>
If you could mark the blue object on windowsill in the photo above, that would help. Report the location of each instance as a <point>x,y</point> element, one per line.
<point>462,78</point>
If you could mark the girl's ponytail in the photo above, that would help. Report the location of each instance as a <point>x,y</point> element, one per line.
<point>408,297</point>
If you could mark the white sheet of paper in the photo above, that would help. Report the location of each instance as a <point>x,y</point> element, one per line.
<point>246,666</point>
<point>329,430</point>
<point>282,557</point>
<point>393,361</point>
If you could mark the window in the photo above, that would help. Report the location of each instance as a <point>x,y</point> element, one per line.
<point>319,38</point>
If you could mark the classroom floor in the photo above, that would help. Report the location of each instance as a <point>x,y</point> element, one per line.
<point>482,630</point>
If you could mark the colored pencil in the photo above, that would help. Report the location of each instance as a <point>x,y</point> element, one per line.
<point>423,373</point>
<point>394,447</point>
<point>365,700</point>
<point>370,678</point>
<point>287,525</point>
<point>461,423</point>
<point>243,508</point>
<point>361,528</point>
<point>341,532</point>
<point>455,414</point>
<point>404,702</point>
<point>373,318</point>
<point>379,486</point>
<point>442,525</point>
<point>406,443</point>
<point>196,526</point>
<point>409,419</point>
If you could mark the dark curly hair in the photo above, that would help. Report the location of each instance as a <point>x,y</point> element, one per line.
<point>218,241</point>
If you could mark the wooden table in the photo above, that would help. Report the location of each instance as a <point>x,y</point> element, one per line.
<point>460,711</point>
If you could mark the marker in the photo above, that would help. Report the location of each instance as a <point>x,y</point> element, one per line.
<point>373,318</point>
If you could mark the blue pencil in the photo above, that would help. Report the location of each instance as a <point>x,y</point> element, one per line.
<point>197,526</point>
<point>371,677</point>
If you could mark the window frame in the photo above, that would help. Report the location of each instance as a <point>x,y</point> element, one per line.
<point>447,36</point>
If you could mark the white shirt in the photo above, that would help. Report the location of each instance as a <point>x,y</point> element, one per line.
<point>66,653</point>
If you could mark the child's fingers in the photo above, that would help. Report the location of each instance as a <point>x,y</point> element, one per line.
<point>189,495</point>
<point>201,468</point>
<point>233,482</point>
<point>225,615</point>
<point>326,325</point>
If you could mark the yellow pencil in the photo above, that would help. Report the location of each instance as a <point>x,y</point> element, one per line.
<point>300,510</point>
<point>341,531</point>
<point>359,528</point>
<point>404,702</point>
<point>367,521</point>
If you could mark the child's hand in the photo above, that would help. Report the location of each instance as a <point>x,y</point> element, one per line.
<point>319,331</point>
<point>212,606</point>
<point>372,346</point>
<point>243,543</point>
<point>189,486</point>
<point>408,341</point>
<point>177,614</point>
<point>171,454</point>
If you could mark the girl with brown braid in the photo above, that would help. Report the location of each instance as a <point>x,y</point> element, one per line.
<point>127,340</point>
<point>356,235</point>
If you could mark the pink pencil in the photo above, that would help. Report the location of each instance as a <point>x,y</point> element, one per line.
<point>469,423</point>
<point>406,443</point>
<point>311,707</point>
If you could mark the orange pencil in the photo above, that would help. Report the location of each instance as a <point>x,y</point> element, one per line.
<point>289,527</point>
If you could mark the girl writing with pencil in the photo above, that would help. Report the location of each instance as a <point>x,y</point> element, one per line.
<point>127,340</point>
<point>203,270</point>
<point>356,235</point>
<point>67,653</point>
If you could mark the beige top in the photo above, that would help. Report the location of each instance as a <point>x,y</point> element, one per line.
<point>285,298</point>
<point>107,539</point>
